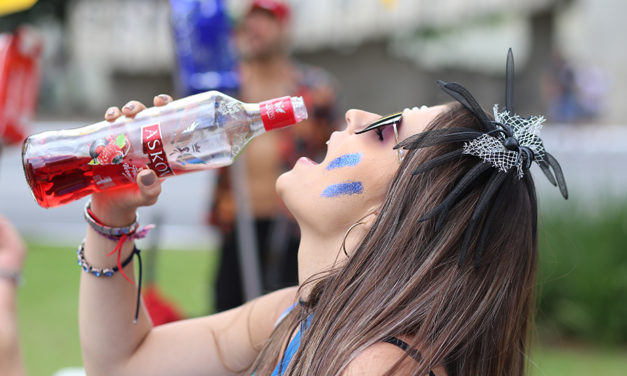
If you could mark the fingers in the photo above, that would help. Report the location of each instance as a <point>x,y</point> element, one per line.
<point>132,108</point>
<point>149,187</point>
<point>112,113</point>
<point>161,100</point>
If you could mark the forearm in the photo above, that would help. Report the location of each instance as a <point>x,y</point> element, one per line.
<point>10,356</point>
<point>108,335</point>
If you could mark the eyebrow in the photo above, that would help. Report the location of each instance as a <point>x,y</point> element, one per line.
<point>386,120</point>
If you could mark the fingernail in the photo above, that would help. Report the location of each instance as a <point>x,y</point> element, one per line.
<point>110,112</point>
<point>164,97</point>
<point>129,107</point>
<point>149,179</point>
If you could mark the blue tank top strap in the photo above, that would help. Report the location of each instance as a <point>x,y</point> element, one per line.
<point>294,344</point>
<point>291,349</point>
<point>284,314</point>
<point>287,357</point>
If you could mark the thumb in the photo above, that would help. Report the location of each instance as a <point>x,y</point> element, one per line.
<point>149,187</point>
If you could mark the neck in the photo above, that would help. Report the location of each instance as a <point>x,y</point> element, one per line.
<point>274,65</point>
<point>317,254</point>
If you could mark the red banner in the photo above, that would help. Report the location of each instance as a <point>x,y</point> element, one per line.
<point>19,83</point>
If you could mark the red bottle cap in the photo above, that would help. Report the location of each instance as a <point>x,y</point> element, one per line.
<point>277,113</point>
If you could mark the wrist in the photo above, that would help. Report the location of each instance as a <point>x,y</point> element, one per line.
<point>110,214</point>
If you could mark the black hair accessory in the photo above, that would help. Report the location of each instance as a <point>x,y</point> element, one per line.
<point>507,148</point>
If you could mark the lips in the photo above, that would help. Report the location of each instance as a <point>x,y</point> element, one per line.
<point>306,160</point>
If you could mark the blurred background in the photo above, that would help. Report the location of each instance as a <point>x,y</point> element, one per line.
<point>383,56</point>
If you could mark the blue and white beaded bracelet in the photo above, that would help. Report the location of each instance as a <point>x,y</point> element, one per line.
<point>109,272</point>
<point>101,272</point>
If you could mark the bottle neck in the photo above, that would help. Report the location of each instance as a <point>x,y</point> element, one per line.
<point>277,113</point>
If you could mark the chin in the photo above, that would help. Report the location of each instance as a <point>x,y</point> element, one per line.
<point>280,184</point>
<point>290,193</point>
<point>285,188</point>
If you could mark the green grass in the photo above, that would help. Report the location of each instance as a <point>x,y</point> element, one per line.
<point>583,274</point>
<point>576,361</point>
<point>48,313</point>
<point>48,301</point>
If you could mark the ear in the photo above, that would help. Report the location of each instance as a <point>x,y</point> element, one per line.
<point>369,219</point>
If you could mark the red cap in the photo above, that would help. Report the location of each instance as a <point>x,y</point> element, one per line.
<point>277,113</point>
<point>278,8</point>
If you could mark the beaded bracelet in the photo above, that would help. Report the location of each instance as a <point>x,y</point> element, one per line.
<point>120,235</point>
<point>112,233</point>
<point>101,272</point>
<point>109,272</point>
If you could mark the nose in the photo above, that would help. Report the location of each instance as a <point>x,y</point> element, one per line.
<point>358,119</point>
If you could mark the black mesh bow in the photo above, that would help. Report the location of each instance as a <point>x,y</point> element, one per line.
<point>491,192</point>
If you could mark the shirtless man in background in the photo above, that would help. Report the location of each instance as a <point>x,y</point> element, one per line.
<point>267,71</point>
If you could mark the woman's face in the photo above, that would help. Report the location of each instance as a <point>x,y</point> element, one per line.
<point>353,178</point>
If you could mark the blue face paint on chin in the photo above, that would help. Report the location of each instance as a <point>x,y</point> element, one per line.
<point>343,189</point>
<point>345,160</point>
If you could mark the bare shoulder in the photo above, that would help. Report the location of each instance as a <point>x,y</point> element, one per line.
<point>266,310</point>
<point>216,345</point>
<point>271,306</point>
<point>379,358</point>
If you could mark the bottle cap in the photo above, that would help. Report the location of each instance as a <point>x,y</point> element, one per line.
<point>281,112</point>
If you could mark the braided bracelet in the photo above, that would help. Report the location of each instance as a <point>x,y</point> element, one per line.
<point>101,272</point>
<point>113,233</point>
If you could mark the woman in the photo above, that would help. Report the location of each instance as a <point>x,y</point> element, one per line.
<point>415,261</point>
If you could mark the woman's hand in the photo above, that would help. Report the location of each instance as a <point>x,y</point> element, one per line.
<point>117,207</point>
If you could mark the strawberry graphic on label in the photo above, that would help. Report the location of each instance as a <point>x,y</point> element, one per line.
<point>109,151</point>
<point>96,148</point>
<point>110,154</point>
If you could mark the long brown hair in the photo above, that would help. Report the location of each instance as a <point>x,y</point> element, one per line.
<point>404,280</point>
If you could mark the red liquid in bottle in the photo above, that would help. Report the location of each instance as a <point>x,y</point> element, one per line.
<point>62,179</point>
<point>63,166</point>
<point>201,132</point>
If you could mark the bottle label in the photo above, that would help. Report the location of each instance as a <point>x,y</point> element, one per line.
<point>277,113</point>
<point>152,146</point>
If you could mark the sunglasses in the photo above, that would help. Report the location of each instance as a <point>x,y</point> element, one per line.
<point>394,120</point>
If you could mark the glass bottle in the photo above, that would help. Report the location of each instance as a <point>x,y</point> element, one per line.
<point>204,131</point>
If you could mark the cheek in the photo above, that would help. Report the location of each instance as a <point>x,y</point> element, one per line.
<point>344,182</point>
<point>346,188</point>
<point>297,187</point>
<point>376,179</point>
